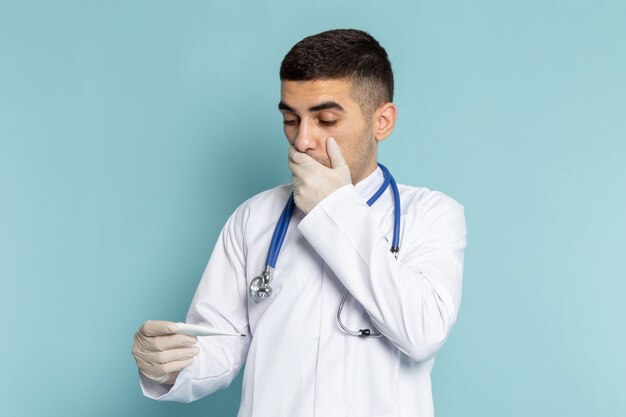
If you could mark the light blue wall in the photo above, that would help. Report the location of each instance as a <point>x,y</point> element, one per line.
<point>130,130</point>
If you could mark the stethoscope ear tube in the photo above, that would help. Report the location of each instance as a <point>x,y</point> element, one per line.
<point>361,332</point>
<point>395,244</point>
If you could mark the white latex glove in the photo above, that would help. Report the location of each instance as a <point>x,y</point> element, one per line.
<point>161,354</point>
<point>313,181</point>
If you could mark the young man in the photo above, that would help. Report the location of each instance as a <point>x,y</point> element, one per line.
<point>304,355</point>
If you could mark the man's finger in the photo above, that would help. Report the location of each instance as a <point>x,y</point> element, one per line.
<point>159,343</point>
<point>334,153</point>
<point>158,358</point>
<point>171,367</point>
<point>158,328</point>
<point>165,373</point>
<point>292,149</point>
<point>300,158</point>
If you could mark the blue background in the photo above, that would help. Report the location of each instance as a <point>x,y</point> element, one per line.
<point>131,130</point>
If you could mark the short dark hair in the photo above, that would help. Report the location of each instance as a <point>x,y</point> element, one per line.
<point>343,54</point>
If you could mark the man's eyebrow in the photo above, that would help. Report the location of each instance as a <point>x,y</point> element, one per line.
<point>283,106</point>
<point>327,105</point>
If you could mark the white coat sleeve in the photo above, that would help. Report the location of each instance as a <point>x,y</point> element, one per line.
<point>219,302</point>
<point>412,300</point>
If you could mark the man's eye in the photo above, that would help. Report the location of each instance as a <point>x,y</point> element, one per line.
<point>328,122</point>
<point>290,122</point>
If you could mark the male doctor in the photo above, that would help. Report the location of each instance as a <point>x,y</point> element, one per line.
<point>336,103</point>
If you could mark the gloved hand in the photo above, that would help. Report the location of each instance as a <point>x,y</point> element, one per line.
<point>313,181</point>
<point>160,353</point>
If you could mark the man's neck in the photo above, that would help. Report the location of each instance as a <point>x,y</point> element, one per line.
<point>369,169</point>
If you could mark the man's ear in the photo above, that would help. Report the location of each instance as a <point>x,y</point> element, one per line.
<point>384,121</point>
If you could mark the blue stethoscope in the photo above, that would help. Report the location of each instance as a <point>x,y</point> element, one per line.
<point>260,288</point>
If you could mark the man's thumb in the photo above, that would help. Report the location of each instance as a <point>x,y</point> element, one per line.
<point>334,154</point>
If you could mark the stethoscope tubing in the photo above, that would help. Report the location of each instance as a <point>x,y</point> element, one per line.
<point>395,244</point>
<point>280,232</point>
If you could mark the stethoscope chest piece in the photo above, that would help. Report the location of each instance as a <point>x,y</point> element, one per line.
<point>260,288</point>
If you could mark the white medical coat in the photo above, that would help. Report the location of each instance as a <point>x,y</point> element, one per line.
<point>298,360</point>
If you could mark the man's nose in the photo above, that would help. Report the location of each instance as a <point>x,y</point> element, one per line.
<point>307,137</point>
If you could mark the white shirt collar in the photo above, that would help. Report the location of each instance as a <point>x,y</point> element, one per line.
<point>370,184</point>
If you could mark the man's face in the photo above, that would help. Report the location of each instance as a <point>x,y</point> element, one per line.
<point>315,110</point>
